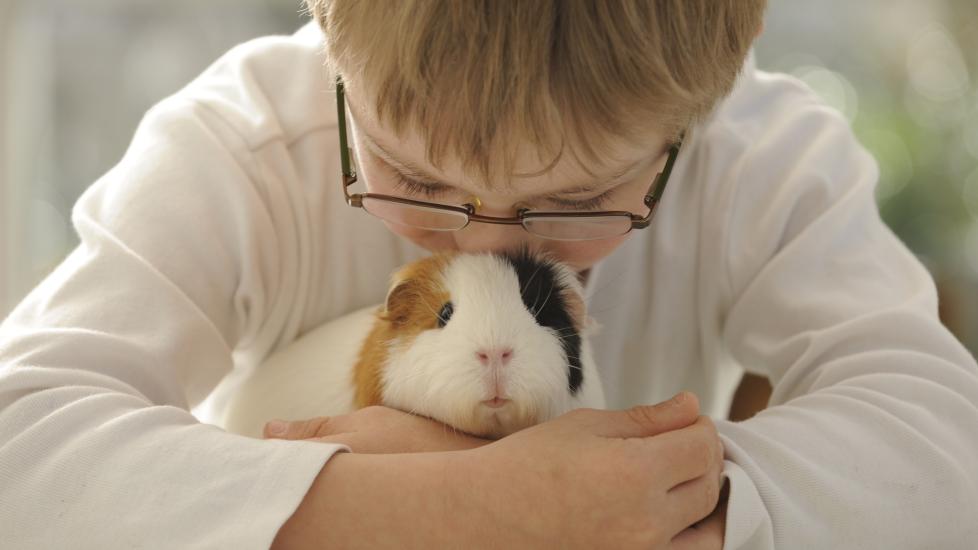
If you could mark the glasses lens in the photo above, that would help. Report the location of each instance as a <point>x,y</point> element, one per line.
<point>583,228</point>
<point>421,217</point>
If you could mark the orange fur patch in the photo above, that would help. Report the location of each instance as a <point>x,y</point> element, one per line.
<point>416,296</point>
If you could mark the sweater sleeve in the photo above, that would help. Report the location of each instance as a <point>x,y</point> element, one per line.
<point>100,364</point>
<point>870,437</point>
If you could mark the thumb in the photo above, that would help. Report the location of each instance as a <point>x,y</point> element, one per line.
<point>297,429</point>
<point>648,420</point>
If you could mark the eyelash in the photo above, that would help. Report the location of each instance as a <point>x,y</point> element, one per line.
<point>416,187</point>
<point>431,192</point>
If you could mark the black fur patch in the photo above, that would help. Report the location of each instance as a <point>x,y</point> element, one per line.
<point>542,297</point>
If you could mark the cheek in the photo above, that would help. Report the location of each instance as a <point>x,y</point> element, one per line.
<point>432,241</point>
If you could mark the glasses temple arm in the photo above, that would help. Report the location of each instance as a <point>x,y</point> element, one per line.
<point>663,176</point>
<point>341,121</point>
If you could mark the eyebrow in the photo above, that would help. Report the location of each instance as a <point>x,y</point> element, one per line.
<point>414,171</point>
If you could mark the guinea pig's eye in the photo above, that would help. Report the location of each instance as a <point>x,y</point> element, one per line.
<point>445,314</point>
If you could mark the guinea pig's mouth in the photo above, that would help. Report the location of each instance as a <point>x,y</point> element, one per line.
<point>495,402</point>
<point>496,420</point>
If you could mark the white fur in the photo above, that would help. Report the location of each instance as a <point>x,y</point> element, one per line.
<point>438,373</point>
<point>310,377</point>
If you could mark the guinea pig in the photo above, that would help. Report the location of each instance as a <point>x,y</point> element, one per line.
<point>487,343</point>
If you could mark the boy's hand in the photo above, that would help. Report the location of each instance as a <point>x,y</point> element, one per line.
<point>648,477</point>
<point>641,478</point>
<point>379,430</point>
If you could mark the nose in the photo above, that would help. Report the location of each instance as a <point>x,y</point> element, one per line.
<point>490,237</point>
<point>494,356</point>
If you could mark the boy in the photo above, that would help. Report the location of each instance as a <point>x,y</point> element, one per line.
<point>224,234</point>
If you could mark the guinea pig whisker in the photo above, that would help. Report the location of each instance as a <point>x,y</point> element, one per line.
<point>545,300</point>
<point>567,335</point>
<point>412,376</point>
<point>431,309</point>
<point>530,280</point>
<point>455,431</point>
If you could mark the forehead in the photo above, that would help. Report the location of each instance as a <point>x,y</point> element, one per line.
<point>564,172</point>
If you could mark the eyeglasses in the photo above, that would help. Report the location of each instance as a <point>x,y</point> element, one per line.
<point>558,225</point>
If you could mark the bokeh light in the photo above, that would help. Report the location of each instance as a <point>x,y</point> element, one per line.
<point>834,88</point>
<point>969,194</point>
<point>895,161</point>
<point>903,72</point>
<point>935,65</point>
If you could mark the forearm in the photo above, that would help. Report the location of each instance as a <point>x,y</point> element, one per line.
<point>880,454</point>
<point>381,501</point>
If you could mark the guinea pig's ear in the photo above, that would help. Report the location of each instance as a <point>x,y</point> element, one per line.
<point>397,307</point>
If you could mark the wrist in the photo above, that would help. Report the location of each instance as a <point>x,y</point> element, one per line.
<point>382,501</point>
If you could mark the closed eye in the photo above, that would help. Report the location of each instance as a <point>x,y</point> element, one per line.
<point>593,203</point>
<point>434,191</point>
<point>413,187</point>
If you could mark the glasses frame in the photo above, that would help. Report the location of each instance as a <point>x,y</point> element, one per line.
<point>651,200</point>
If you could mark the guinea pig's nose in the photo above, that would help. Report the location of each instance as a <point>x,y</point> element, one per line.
<point>494,356</point>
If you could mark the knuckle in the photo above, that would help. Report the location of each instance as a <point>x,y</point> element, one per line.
<point>644,415</point>
<point>293,430</point>
<point>305,429</point>
<point>707,423</point>
<point>320,426</point>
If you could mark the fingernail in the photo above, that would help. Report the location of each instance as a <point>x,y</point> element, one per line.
<point>277,427</point>
<point>679,398</point>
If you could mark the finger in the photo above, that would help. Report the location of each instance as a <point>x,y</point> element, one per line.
<point>650,420</point>
<point>687,453</point>
<point>706,536</point>
<point>692,501</point>
<point>297,429</point>
<point>708,533</point>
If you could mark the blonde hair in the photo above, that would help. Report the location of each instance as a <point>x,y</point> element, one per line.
<point>470,75</point>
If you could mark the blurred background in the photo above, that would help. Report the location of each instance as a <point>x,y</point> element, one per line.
<point>75,78</point>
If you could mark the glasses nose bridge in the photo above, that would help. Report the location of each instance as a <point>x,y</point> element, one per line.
<point>496,220</point>
<point>492,235</point>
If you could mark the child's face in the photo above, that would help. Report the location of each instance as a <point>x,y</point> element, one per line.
<point>620,185</point>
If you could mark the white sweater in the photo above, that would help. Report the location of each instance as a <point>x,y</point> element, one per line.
<point>222,235</point>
